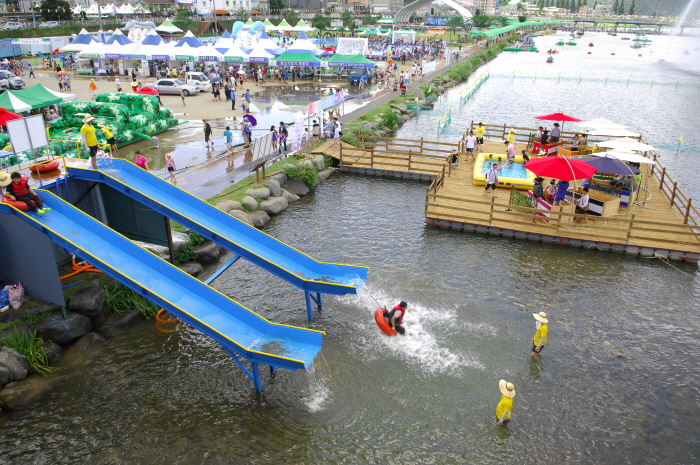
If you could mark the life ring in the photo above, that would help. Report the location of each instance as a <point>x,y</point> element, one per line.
<point>18,205</point>
<point>49,166</point>
<point>381,322</point>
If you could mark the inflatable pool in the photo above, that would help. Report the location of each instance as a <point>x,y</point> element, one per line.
<point>515,177</point>
<point>44,167</point>
<point>379,319</point>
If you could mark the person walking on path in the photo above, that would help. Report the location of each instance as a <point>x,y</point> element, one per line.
<point>246,132</point>
<point>505,406</point>
<point>207,134</point>
<point>140,160</point>
<point>232,96</point>
<point>170,166</point>
<point>491,180</point>
<point>182,97</point>
<point>471,143</point>
<point>338,133</point>
<point>540,339</point>
<point>246,96</point>
<point>93,88</point>
<point>31,72</point>
<point>283,134</point>
<point>228,135</point>
<point>118,83</point>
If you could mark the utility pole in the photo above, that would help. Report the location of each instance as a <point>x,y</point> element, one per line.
<point>99,21</point>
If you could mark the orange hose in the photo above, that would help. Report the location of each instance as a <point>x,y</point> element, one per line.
<point>80,268</point>
<point>161,321</point>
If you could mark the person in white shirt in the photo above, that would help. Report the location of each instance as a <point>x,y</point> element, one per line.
<point>471,143</point>
<point>491,180</point>
<point>582,206</point>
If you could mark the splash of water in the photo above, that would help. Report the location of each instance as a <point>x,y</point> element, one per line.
<point>677,28</point>
<point>318,375</point>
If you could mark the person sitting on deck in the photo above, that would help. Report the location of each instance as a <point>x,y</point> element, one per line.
<point>538,134</point>
<point>582,205</point>
<point>395,317</point>
<point>575,142</point>
<point>19,191</point>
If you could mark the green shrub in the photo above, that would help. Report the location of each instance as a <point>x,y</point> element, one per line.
<point>33,350</point>
<point>390,119</point>
<point>328,161</point>
<point>121,299</point>
<point>31,319</point>
<point>308,174</point>
<point>196,239</point>
<point>349,139</point>
<point>186,254</point>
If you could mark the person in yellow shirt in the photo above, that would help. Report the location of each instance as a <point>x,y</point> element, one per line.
<point>511,137</point>
<point>506,404</point>
<point>110,138</point>
<point>87,132</point>
<point>479,131</point>
<point>540,339</point>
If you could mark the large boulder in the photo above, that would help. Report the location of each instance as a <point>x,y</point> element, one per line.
<point>366,125</point>
<point>10,316</point>
<point>289,196</point>
<point>243,216</point>
<point>89,342</point>
<point>179,239</point>
<point>160,250</point>
<point>191,268</point>
<point>206,253</point>
<point>19,394</point>
<point>228,205</point>
<point>20,328</point>
<point>53,351</point>
<point>259,218</point>
<point>63,330</point>
<point>280,178</point>
<point>111,323</point>
<point>307,163</point>
<point>319,162</point>
<point>399,106</point>
<point>274,205</point>
<point>288,165</point>
<point>249,203</point>
<point>89,300</point>
<point>259,193</point>
<point>297,187</point>
<point>41,307</point>
<point>325,174</point>
<point>13,366</point>
<point>274,186</point>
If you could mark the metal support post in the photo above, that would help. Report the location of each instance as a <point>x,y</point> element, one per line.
<point>318,300</point>
<point>222,269</point>
<point>256,376</point>
<point>273,369</point>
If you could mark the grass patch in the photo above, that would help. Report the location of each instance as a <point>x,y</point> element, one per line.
<point>121,299</point>
<point>33,350</point>
<point>32,319</point>
<point>9,324</point>
<point>177,227</point>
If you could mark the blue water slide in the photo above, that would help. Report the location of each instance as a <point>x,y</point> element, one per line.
<point>255,246</point>
<point>236,328</point>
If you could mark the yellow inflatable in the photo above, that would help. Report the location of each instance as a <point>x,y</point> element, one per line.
<point>519,178</point>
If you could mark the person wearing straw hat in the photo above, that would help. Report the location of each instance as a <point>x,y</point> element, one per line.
<point>540,339</point>
<point>505,406</point>
<point>4,181</point>
<point>87,132</point>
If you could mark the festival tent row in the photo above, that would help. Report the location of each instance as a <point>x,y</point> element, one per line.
<point>111,9</point>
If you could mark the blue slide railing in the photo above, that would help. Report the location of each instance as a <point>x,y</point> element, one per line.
<point>236,328</point>
<point>257,247</point>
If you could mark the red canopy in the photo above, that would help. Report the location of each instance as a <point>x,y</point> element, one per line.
<point>6,115</point>
<point>561,168</point>
<point>557,117</point>
<point>147,91</point>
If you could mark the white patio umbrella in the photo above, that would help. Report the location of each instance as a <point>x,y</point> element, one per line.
<point>625,156</point>
<point>613,133</point>
<point>626,144</point>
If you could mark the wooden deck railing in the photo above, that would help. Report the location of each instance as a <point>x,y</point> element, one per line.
<point>487,212</point>
<point>677,199</point>
<point>416,145</point>
<point>409,161</point>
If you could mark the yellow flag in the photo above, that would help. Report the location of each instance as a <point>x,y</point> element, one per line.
<point>681,139</point>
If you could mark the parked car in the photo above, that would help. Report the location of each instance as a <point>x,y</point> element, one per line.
<point>12,25</point>
<point>172,86</point>
<point>46,24</point>
<point>10,81</point>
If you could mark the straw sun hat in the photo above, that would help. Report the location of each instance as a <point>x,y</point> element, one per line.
<point>507,389</point>
<point>541,317</point>
<point>5,179</point>
<point>88,119</point>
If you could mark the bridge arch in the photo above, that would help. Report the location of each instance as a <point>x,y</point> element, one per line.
<point>404,14</point>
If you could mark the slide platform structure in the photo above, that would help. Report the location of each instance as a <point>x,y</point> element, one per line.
<point>306,273</point>
<point>240,331</point>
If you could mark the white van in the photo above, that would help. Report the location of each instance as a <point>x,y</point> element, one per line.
<point>198,80</point>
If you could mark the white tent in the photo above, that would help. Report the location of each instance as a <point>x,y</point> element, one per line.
<point>259,54</point>
<point>405,35</point>
<point>80,43</point>
<point>626,144</point>
<point>302,27</point>
<point>168,28</point>
<point>304,45</point>
<point>625,156</point>
<point>125,9</point>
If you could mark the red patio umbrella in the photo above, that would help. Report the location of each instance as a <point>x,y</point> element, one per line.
<point>562,168</point>
<point>558,117</point>
<point>6,115</point>
<point>147,91</point>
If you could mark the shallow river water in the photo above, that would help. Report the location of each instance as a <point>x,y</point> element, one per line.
<point>617,382</point>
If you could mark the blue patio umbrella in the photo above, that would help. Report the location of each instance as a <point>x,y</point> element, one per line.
<point>215,79</point>
<point>607,165</point>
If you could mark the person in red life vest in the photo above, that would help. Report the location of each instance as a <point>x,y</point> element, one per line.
<point>395,317</point>
<point>20,191</point>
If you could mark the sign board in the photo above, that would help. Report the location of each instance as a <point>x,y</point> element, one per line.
<point>327,102</point>
<point>160,57</point>
<point>234,59</point>
<point>262,146</point>
<point>27,133</point>
<point>31,41</point>
<point>207,58</point>
<point>113,56</point>
<point>184,57</point>
<point>352,46</point>
<point>429,66</point>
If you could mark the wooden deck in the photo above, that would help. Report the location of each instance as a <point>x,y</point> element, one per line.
<point>666,225</point>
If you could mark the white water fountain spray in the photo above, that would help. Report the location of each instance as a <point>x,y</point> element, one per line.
<point>677,28</point>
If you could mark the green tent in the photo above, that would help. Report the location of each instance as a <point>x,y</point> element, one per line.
<point>284,26</point>
<point>249,22</point>
<point>31,98</point>
<point>369,32</point>
<point>297,59</point>
<point>268,24</point>
<point>349,61</point>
